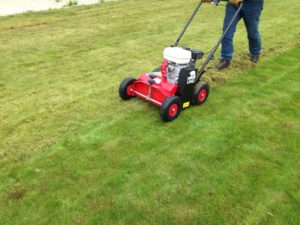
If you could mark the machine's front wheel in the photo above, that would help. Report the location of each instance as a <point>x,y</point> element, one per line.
<point>170,108</point>
<point>125,88</point>
<point>200,94</point>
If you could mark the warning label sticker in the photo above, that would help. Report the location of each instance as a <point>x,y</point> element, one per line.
<point>191,78</point>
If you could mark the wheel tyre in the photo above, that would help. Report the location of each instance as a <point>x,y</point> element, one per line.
<point>170,109</point>
<point>156,70</point>
<point>200,94</point>
<point>124,88</point>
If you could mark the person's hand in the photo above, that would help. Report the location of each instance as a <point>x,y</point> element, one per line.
<point>235,2</point>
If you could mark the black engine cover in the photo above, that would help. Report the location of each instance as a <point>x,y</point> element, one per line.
<point>196,54</point>
<point>186,84</point>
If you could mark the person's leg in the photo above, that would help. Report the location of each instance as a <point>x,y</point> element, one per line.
<point>251,14</point>
<point>227,43</point>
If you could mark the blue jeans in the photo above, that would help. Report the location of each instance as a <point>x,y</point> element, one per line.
<point>250,13</point>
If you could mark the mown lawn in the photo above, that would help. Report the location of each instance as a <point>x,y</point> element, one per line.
<point>71,152</point>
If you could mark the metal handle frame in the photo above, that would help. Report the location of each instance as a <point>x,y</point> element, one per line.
<point>187,24</point>
<point>213,51</point>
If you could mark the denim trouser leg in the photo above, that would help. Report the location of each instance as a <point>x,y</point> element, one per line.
<point>251,15</point>
<point>227,43</point>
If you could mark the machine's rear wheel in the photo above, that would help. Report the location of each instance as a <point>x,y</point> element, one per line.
<point>125,88</point>
<point>200,94</point>
<point>170,108</point>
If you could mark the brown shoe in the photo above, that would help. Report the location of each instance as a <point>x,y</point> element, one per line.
<point>223,64</point>
<point>254,58</point>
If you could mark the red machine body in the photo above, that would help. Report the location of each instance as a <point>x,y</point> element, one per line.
<point>171,94</point>
<point>157,92</point>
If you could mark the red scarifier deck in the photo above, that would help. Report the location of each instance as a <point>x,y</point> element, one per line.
<point>156,93</point>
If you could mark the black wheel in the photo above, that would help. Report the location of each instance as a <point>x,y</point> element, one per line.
<point>125,91</point>
<point>201,92</point>
<point>156,70</point>
<point>170,109</point>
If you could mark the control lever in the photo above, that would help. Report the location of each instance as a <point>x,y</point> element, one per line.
<point>152,75</point>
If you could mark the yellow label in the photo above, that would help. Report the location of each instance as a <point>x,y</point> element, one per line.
<point>186,104</point>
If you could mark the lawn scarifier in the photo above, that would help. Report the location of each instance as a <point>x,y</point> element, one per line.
<point>176,84</point>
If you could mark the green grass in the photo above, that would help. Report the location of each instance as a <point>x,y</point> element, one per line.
<point>71,152</point>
